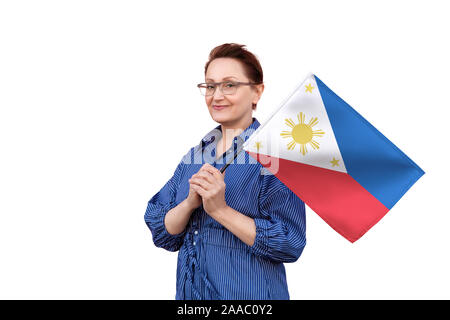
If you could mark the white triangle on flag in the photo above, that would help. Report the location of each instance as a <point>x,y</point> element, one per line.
<point>300,131</point>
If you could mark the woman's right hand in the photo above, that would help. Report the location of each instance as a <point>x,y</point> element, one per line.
<point>193,199</point>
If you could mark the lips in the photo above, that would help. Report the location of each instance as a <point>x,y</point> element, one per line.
<point>219,107</point>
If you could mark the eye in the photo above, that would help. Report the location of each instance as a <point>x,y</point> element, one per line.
<point>209,86</point>
<point>230,84</point>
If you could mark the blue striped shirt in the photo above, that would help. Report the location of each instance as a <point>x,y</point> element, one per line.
<point>212,262</point>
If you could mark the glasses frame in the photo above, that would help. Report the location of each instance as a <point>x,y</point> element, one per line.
<point>238,83</point>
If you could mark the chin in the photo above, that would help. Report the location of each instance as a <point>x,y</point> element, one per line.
<point>220,118</point>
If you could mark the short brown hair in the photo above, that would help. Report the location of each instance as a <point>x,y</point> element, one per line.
<point>252,67</point>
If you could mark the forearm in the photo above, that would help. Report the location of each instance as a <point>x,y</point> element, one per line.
<point>237,223</point>
<point>178,217</point>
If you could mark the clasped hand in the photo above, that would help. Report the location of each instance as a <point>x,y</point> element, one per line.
<point>209,183</point>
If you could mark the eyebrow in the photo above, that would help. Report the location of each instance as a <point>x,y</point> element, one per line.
<point>223,78</point>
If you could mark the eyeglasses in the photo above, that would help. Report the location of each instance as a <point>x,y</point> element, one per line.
<point>226,87</point>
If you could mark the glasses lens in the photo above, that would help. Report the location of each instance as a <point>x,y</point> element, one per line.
<point>210,89</point>
<point>207,89</point>
<point>229,88</point>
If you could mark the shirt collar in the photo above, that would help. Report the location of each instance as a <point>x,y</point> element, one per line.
<point>216,133</point>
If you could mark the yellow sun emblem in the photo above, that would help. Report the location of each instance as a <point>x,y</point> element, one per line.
<point>302,133</point>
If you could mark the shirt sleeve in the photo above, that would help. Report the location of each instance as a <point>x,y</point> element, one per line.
<point>157,208</point>
<point>281,231</point>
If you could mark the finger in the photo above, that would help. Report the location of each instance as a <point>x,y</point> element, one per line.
<point>206,175</point>
<point>198,189</point>
<point>200,172</point>
<point>214,171</point>
<point>207,165</point>
<point>205,168</point>
<point>201,182</point>
<point>217,174</point>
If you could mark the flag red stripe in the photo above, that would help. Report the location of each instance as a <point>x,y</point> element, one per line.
<point>335,196</point>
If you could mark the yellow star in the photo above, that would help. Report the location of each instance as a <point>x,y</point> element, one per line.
<point>334,162</point>
<point>258,145</point>
<point>309,88</point>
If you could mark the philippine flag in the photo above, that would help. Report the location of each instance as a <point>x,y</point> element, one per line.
<point>333,159</point>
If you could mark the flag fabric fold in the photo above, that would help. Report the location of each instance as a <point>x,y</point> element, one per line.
<point>333,159</point>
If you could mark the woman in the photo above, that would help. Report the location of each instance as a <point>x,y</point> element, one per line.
<point>233,230</point>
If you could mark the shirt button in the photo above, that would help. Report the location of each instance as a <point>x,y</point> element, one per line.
<point>195,232</point>
<point>194,243</point>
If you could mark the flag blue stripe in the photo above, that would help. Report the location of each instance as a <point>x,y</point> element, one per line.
<point>369,157</point>
<point>212,262</point>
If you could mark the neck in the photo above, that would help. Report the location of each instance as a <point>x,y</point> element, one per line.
<point>229,131</point>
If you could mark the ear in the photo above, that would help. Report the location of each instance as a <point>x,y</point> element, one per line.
<point>259,91</point>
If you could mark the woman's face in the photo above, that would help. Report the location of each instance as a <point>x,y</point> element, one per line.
<point>239,105</point>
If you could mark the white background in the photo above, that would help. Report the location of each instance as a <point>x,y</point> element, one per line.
<point>98,104</point>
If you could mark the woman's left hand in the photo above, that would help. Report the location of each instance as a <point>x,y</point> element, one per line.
<point>209,183</point>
